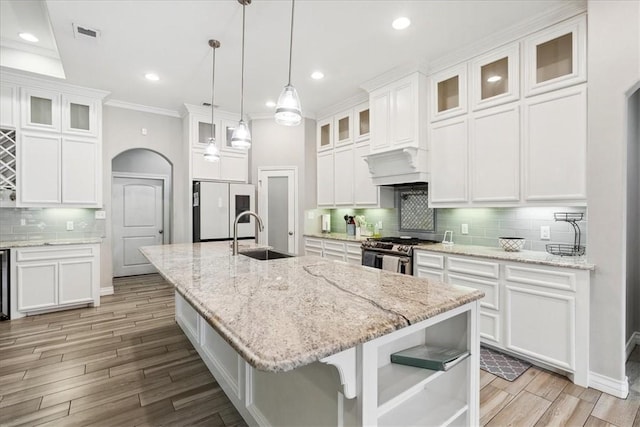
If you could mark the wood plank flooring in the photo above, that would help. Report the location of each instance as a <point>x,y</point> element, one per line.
<point>127,363</point>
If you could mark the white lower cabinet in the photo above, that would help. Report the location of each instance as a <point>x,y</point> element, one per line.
<point>49,278</point>
<point>534,311</point>
<point>334,249</point>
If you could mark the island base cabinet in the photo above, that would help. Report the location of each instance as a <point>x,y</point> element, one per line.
<point>365,389</point>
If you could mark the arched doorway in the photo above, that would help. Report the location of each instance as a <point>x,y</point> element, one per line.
<point>141,199</point>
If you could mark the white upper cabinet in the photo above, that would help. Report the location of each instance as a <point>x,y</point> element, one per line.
<point>233,164</point>
<point>449,145</point>
<point>325,134</point>
<point>362,124</point>
<point>39,169</point>
<point>495,77</point>
<point>9,106</point>
<point>80,115</point>
<point>555,148</point>
<point>81,171</point>
<point>494,139</point>
<point>556,57</point>
<point>343,176</point>
<point>448,90</point>
<point>40,110</point>
<point>397,114</point>
<point>365,193</point>
<point>343,128</point>
<point>325,179</point>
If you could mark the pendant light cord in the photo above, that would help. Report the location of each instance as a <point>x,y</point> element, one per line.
<point>244,6</point>
<point>293,4</point>
<point>213,87</point>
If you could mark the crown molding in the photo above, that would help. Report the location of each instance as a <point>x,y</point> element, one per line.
<point>343,105</point>
<point>552,16</point>
<point>201,110</point>
<point>25,78</point>
<point>394,74</point>
<point>142,108</point>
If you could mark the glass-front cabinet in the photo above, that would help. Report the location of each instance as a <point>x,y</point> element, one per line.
<point>79,115</point>
<point>343,128</point>
<point>40,110</point>
<point>449,92</point>
<point>325,134</point>
<point>203,132</point>
<point>556,58</point>
<point>362,125</point>
<point>495,78</point>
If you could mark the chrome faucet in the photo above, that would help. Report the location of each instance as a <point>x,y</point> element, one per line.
<point>235,228</point>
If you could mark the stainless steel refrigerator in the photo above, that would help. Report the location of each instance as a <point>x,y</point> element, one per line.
<point>215,207</point>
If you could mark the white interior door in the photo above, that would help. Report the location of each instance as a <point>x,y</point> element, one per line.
<point>277,206</point>
<point>138,220</point>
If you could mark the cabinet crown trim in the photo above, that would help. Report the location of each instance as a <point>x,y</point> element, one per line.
<point>38,83</point>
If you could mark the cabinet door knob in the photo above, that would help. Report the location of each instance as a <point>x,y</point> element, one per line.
<point>291,233</point>
<point>160,231</point>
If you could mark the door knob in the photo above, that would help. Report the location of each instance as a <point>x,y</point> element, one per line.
<point>160,231</point>
<point>291,233</point>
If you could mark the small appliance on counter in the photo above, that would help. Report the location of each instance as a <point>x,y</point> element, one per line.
<point>326,223</point>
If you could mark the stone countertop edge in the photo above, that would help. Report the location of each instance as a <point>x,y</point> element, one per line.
<point>50,242</point>
<point>337,236</point>
<point>308,356</point>
<point>529,257</point>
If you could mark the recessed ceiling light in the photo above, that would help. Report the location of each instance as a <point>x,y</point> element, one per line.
<point>317,75</point>
<point>270,104</point>
<point>152,77</point>
<point>28,37</point>
<point>494,79</point>
<point>401,23</point>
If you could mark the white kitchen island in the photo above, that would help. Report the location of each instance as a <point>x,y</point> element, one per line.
<point>306,342</point>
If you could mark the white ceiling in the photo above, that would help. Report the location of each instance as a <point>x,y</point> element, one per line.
<point>351,41</point>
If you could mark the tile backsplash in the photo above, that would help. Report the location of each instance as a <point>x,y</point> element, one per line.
<point>48,223</point>
<point>485,225</point>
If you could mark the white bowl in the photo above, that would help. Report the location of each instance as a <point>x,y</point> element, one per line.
<point>511,244</point>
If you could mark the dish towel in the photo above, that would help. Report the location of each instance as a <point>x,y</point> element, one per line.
<point>369,259</point>
<point>391,263</point>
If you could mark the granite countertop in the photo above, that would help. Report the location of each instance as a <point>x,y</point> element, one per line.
<point>51,242</point>
<point>285,313</point>
<point>531,257</point>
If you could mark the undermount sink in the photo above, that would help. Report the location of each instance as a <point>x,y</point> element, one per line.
<point>265,254</point>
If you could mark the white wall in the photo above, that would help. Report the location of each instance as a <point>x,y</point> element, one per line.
<point>277,145</point>
<point>121,132</point>
<point>614,68</point>
<point>633,215</point>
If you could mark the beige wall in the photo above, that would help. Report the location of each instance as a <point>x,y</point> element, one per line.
<point>121,132</point>
<point>614,68</point>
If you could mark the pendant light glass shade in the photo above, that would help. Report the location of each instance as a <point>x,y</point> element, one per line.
<point>241,137</point>
<point>288,109</point>
<point>211,153</point>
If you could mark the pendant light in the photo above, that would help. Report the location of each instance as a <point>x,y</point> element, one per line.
<point>288,109</point>
<point>211,153</point>
<point>241,137</point>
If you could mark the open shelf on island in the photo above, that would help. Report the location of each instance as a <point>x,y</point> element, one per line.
<point>425,408</point>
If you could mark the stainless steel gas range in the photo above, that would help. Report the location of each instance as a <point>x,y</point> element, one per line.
<point>391,253</point>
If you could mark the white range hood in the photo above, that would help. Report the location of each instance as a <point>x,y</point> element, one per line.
<point>398,166</point>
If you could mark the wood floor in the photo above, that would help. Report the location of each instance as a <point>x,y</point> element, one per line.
<point>126,363</point>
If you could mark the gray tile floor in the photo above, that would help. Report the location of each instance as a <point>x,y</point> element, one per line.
<point>633,372</point>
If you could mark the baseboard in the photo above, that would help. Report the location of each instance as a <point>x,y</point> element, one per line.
<point>634,340</point>
<point>609,385</point>
<point>107,290</point>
